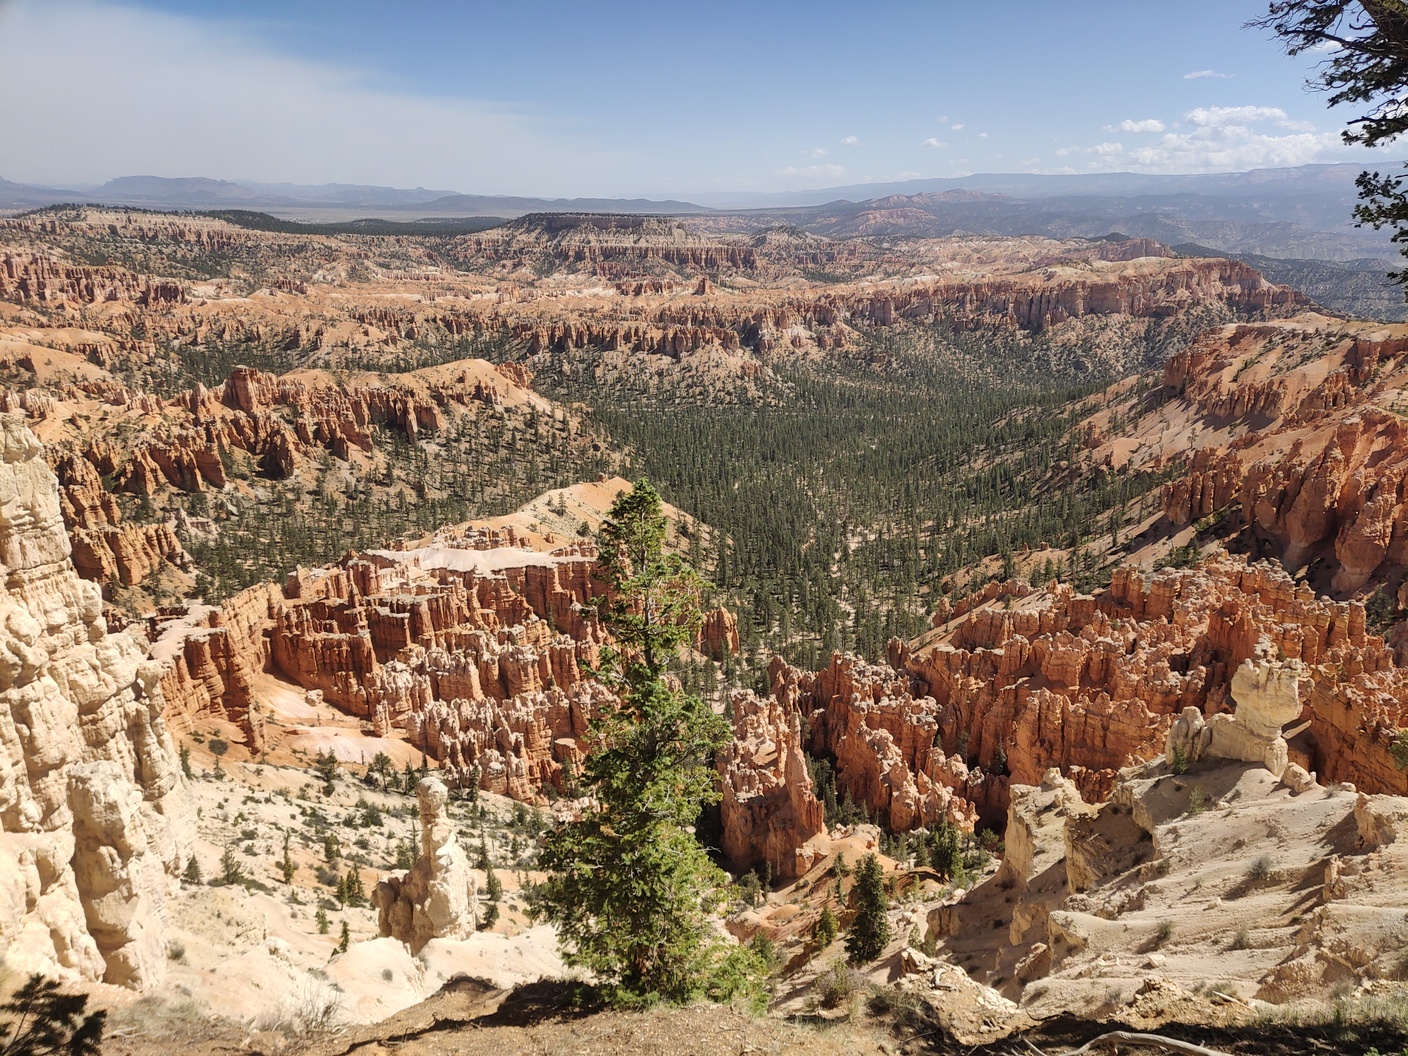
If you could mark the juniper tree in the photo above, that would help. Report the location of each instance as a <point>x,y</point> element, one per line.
<point>627,880</point>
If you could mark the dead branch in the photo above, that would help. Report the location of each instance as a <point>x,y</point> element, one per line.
<point>1130,1037</point>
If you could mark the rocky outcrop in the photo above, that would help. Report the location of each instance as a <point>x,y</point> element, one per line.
<point>276,424</point>
<point>884,741</point>
<point>93,825</point>
<point>479,667</point>
<point>437,899</point>
<point>769,809</point>
<point>120,875</point>
<point>476,650</point>
<point>105,549</point>
<point>29,278</point>
<point>1267,697</point>
<point>1024,682</point>
<point>1320,472</point>
<point>718,634</point>
<point>1346,491</point>
<point>211,657</point>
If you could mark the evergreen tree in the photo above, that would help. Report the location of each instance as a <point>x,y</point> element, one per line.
<point>870,931</point>
<point>286,865</point>
<point>231,872</point>
<point>325,764</point>
<point>1366,65</point>
<point>492,885</point>
<point>824,934</point>
<point>945,855</point>
<point>321,918</point>
<point>626,881</point>
<point>354,892</point>
<point>46,1022</point>
<point>382,768</point>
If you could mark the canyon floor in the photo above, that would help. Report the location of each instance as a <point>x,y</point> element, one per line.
<point>1087,550</point>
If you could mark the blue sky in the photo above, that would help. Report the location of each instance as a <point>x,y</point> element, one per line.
<point>646,98</point>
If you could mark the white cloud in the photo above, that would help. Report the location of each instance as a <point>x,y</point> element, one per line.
<point>943,119</point>
<point>1149,124</point>
<point>982,135</point>
<point>1198,75</point>
<point>908,175</point>
<point>219,103</point>
<point>1220,139</point>
<point>827,171</point>
<point>1217,116</point>
<point>957,128</point>
<point>819,152</point>
<point>850,141</point>
<point>933,143</point>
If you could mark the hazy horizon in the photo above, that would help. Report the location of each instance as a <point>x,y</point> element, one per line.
<point>646,101</point>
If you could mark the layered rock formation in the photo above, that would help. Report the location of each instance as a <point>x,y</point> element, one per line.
<point>476,653</point>
<point>105,549</point>
<point>210,658</point>
<point>1288,431</point>
<point>884,740</point>
<point>1033,284</point>
<point>1029,680</point>
<point>93,826</point>
<point>1185,866</point>
<point>769,808</point>
<point>438,898</point>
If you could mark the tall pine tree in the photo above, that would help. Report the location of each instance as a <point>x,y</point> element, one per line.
<point>627,880</point>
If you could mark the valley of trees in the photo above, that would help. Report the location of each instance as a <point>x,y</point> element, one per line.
<point>843,501</point>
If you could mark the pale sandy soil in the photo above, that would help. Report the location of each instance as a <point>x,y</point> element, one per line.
<point>256,958</point>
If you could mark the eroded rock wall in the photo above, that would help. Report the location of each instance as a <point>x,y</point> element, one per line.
<point>769,808</point>
<point>1033,680</point>
<point>92,824</point>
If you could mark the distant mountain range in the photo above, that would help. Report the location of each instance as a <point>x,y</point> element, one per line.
<point>1302,213</point>
<point>1326,178</point>
<point>305,201</point>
